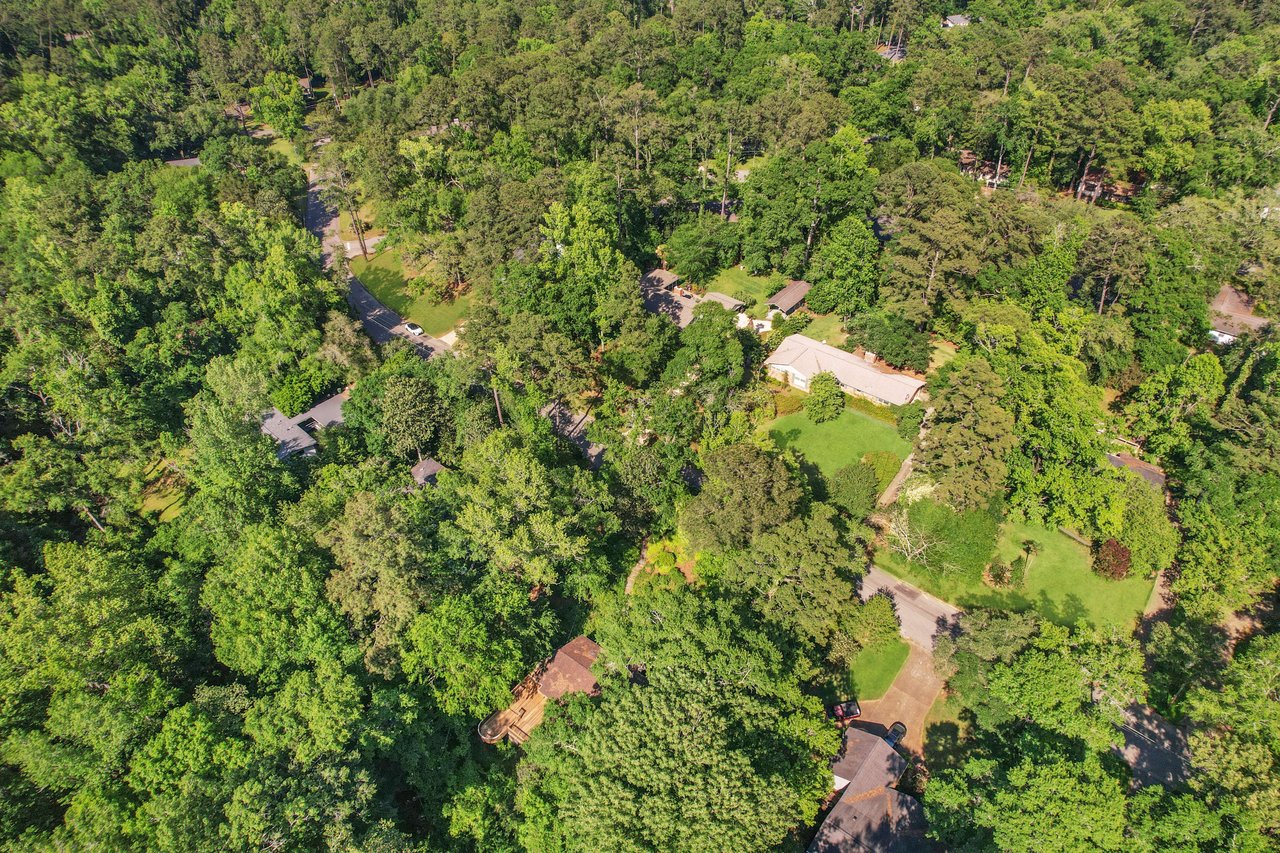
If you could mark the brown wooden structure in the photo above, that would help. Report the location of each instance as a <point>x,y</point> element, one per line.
<point>568,671</point>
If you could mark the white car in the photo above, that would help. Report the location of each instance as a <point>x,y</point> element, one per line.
<point>413,329</point>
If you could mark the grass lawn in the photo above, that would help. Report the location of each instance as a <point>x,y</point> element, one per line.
<point>840,442</point>
<point>943,351</point>
<point>1060,583</point>
<point>740,284</point>
<point>285,148</point>
<point>163,494</point>
<point>826,328</point>
<point>873,670</point>
<point>384,276</point>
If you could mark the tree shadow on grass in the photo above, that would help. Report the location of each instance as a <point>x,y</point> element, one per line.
<point>1068,611</point>
<point>943,746</point>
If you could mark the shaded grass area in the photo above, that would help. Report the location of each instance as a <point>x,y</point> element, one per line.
<point>1060,583</point>
<point>942,352</point>
<point>843,441</point>
<point>741,284</point>
<point>827,328</point>
<point>163,493</point>
<point>945,733</point>
<point>873,670</point>
<point>384,275</point>
<point>286,149</point>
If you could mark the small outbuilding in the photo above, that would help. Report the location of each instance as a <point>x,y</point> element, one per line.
<point>1153,474</point>
<point>660,279</point>
<point>801,358</point>
<point>424,473</point>
<point>790,297</point>
<point>951,21</point>
<point>729,303</point>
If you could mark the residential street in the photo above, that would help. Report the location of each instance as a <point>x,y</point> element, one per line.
<point>922,615</point>
<point>380,322</point>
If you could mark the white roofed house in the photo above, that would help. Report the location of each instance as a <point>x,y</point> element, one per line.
<point>799,359</point>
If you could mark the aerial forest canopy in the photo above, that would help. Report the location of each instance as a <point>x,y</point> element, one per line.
<point>265,565</point>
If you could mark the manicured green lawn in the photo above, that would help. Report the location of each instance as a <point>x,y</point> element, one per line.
<point>739,283</point>
<point>826,328</point>
<point>840,442</point>
<point>1060,583</point>
<point>873,670</point>
<point>945,734</point>
<point>383,274</point>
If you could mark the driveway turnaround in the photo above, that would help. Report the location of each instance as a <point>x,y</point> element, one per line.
<point>380,322</point>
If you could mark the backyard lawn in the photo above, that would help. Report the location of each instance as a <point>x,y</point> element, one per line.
<point>384,274</point>
<point>737,282</point>
<point>827,328</point>
<point>840,442</point>
<point>1060,583</point>
<point>873,670</point>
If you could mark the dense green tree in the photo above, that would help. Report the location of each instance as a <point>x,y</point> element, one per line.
<point>845,269</point>
<point>892,337</point>
<point>278,103</point>
<point>748,490</point>
<point>854,489</point>
<point>1237,748</point>
<point>969,436</point>
<point>826,398</point>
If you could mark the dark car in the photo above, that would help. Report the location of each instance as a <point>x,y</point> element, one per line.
<point>896,733</point>
<point>846,711</point>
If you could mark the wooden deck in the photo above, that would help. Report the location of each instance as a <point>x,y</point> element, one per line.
<point>520,717</point>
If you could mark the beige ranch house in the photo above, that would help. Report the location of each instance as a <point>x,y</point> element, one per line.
<point>799,359</point>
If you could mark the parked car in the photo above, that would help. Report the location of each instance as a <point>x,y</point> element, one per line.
<point>845,711</point>
<point>896,733</point>
<point>413,329</point>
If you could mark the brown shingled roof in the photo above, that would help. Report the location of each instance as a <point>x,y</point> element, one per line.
<point>570,670</point>
<point>789,298</point>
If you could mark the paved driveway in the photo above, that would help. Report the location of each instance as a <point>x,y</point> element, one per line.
<point>921,614</point>
<point>907,700</point>
<point>380,322</point>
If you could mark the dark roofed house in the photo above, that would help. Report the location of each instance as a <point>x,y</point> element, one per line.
<point>296,435</point>
<point>568,671</point>
<point>1231,315</point>
<point>183,162</point>
<point>870,815</point>
<point>424,473</point>
<point>790,297</point>
<point>726,301</point>
<point>660,278</point>
<point>1153,474</point>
